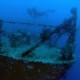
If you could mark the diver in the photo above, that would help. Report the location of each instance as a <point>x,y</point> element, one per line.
<point>35,13</point>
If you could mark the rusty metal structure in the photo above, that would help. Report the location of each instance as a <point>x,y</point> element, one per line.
<point>13,69</point>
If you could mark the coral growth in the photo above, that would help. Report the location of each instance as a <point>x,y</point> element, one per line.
<point>19,38</point>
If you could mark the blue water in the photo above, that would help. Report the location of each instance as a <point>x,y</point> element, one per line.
<point>16,10</point>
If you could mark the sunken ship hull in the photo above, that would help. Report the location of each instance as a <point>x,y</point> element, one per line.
<point>12,69</point>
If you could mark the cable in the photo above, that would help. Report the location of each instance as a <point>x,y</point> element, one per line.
<point>27,23</point>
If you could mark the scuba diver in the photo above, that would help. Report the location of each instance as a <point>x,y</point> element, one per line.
<point>33,12</point>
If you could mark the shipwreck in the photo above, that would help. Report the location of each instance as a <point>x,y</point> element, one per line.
<point>37,61</point>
